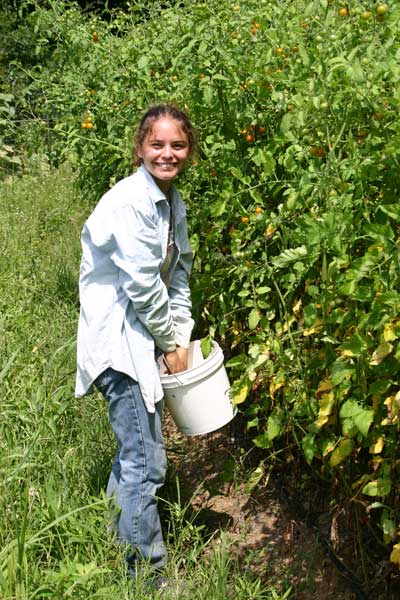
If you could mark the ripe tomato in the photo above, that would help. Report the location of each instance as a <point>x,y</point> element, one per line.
<point>258,210</point>
<point>84,125</point>
<point>249,138</point>
<point>343,12</point>
<point>245,219</point>
<point>279,51</point>
<point>261,129</point>
<point>89,125</point>
<point>318,152</point>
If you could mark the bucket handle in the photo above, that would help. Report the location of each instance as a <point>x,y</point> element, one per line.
<point>166,363</point>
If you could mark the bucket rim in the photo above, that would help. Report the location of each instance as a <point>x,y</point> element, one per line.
<point>188,377</point>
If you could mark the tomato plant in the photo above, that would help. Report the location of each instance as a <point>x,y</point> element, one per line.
<point>293,204</point>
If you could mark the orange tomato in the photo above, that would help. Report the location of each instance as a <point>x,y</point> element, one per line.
<point>318,152</point>
<point>245,219</point>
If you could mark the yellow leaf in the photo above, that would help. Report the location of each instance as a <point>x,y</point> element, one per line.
<point>297,307</point>
<point>393,407</point>
<point>314,329</point>
<point>341,452</point>
<point>321,421</point>
<point>274,386</point>
<point>326,404</point>
<point>269,232</point>
<point>241,395</point>
<point>389,334</point>
<point>325,385</point>
<point>376,462</point>
<point>377,447</point>
<point>395,554</point>
<point>380,353</point>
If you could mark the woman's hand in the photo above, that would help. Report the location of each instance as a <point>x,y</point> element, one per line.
<point>177,361</point>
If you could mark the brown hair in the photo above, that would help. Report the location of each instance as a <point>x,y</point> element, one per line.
<point>157,112</point>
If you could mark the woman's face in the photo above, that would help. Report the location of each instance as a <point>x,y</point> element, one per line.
<point>164,151</point>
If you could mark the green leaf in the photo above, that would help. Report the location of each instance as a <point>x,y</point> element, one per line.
<point>254,318</point>
<point>359,416</point>
<point>363,421</point>
<point>378,487</point>
<point>356,346</point>
<point>286,123</point>
<point>340,372</point>
<point>327,445</point>
<point>350,408</point>
<point>392,210</point>
<point>290,255</point>
<point>309,446</point>
<point>236,361</point>
<point>263,289</point>
<point>264,159</point>
<point>218,208</point>
<point>261,441</point>
<point>344,449</point>
<point>254,478</point>
<point>274,426</point>
<point>388,527</point>
<point>206,346</point>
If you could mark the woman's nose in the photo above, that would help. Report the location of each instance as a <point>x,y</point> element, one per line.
<point>167,151</point>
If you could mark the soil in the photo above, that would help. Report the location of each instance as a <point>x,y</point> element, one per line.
<point>258,518</point>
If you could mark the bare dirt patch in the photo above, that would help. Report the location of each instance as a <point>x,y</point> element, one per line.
<point>275,544</point>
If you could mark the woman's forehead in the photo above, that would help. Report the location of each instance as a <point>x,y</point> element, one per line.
<point>166,127</point>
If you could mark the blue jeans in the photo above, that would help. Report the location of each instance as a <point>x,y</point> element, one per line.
<point>138,470</point>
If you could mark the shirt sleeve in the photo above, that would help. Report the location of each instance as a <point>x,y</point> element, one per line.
<point>137,254</point>
<point>181,306</point>
<point>179,291</point>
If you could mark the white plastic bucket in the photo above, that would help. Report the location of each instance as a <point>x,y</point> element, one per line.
<point>198,398</point>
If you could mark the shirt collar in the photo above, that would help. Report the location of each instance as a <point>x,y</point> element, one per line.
<point>156,194</point>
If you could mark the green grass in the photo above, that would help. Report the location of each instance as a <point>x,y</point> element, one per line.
<point>56,450</point>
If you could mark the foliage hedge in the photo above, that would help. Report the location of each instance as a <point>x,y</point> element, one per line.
<point>293,202</point>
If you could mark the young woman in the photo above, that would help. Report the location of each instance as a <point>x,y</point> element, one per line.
<point>135,304</point>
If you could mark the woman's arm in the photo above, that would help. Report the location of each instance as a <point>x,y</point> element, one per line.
<point>137,254</point>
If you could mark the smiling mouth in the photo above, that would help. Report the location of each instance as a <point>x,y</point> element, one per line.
<point>166,167</point>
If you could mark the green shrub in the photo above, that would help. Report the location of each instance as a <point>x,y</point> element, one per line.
<point>293,203</point>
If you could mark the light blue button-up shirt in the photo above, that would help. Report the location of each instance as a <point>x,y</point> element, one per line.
<point>126,308</point>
